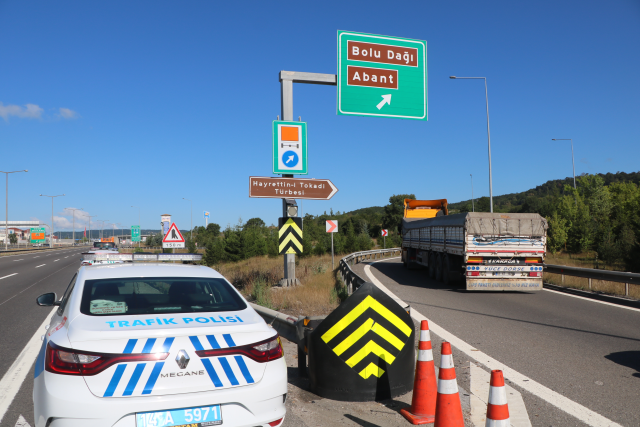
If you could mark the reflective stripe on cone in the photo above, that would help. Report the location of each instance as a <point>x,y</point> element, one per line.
<point>423,401</point>
<point>497,408</point>
<point>448,408</point>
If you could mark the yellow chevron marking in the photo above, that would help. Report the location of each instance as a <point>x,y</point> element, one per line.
<point>354,337</point>
<point>290,223</point>
<point>370,347</point>
<point>372,369</point>
<point>290,238</point>
<point>368,302</point>
<point>384,333</point>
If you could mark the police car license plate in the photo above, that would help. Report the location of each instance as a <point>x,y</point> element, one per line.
<point>203,416</point>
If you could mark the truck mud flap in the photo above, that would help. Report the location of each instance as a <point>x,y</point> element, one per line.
<point>504,285</point>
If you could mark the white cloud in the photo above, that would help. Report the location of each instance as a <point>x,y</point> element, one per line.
<point>29,111</point>
<point>66,113</point>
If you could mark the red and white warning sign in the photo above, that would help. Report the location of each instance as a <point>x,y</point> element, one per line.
<point>385,232</point>
<point>173,238</point>
<point>332,226</point>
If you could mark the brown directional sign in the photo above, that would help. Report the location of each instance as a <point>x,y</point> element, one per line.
<point>291,188</point>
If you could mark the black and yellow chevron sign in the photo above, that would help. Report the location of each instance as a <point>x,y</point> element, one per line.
<point>367,336</point>
<point>290,235</point>
<point>363,350</point>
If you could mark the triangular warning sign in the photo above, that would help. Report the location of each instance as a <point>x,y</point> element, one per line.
<point>173,235</point>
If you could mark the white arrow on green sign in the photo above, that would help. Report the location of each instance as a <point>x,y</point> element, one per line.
<point>382,76</point>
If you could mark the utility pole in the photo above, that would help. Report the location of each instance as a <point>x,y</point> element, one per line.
<point>6,213</point>
<point>74,221</point>
<point>473,205</point>
<point>90,216</point>
<point>52,197</point>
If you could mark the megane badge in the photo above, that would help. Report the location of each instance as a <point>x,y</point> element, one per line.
<point>182,359</point>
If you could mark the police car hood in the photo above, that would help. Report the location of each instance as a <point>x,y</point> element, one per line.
<point>179,335</point>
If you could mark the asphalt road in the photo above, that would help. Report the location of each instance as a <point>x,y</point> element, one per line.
<point>587,351</point>
<point>29,275</point>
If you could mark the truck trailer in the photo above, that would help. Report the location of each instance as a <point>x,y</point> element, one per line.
<point>488,251</point>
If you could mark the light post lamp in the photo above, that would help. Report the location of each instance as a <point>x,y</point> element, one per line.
<point>488,135</point>
<point>138,225</point>
<point>473,205</point>
<point>52,197</point>
<point>184,198</point>
<point>6,218</point>
<point>120,227</point>
<point>74,221</point>
<point>572,160</point>
<point>102,221</point>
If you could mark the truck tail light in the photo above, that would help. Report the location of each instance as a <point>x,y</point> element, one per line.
<point>535,274</point>
<point>475,259</point>
<point>263,351</point>
<point>67,361</point>
<point>473,273</point>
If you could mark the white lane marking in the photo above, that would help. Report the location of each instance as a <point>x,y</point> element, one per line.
<point>18,260</point>
<point>479,388</point>
<point>572,408</point>
<point>67,256</point>
<point>8,276</point>
<point>12,380</point>
<point>36,256</point>
<point>56,260</point>
<point>22,422</point>
<point>592,300</point>
<point>41,265</point>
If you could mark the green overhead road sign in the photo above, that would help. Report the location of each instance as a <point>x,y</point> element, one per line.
<point>290,147</point>
<point>38,235</point>
<point>135,233</point>
<point>382,76</point>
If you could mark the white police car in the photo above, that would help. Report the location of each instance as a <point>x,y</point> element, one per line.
<point>142,345</point>
<point>89,260</point>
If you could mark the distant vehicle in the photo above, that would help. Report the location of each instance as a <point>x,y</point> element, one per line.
<point>490,251</point>
<point>104,245</point>
<point>157,345</point>
<point>85,261</point>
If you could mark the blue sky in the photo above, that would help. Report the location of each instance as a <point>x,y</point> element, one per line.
<point>143,103</point>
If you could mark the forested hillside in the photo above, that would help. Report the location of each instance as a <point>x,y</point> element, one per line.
<point>602,215</point>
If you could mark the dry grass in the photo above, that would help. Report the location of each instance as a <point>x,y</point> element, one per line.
<point>257,279</point>
<point>587,260</point>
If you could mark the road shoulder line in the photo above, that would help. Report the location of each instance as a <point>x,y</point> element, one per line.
<point>567,405</point>
<point>14,377</point>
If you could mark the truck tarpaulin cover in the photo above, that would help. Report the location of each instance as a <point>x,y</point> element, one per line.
<point>512,224</point>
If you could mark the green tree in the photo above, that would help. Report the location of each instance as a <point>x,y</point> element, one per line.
<point>214,252</point>
<point>13,239</point>
<point>254,223</point>
<point>557,233</point>
<point>190,244</point>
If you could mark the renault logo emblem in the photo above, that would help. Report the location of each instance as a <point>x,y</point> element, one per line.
<point>182,359</point>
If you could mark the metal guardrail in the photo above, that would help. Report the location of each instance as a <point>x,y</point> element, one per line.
<point>351,280</point>
<point>2,251</point>
<point>595,274</point>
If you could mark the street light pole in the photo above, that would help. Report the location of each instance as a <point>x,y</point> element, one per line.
<point>140,237</point>
<point>90,216</point>
<point>74,221</point>
<point>52,231</point>
<point>473,205</point>
<point>184,198</point>
<point>572,159</point>
<point>6,213</point>
<point>486,94</point>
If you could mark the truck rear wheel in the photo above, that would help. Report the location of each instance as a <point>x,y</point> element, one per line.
<point>439,268</point>
<point>432,266</point>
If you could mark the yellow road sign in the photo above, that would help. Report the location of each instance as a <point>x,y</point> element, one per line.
<point>290,236</point>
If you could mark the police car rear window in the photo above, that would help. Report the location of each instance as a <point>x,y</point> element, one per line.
<point>154,295</point>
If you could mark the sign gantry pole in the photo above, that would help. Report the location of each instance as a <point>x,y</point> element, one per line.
<point>287,78</point>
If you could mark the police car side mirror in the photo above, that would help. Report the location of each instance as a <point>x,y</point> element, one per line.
<point>47,300</point>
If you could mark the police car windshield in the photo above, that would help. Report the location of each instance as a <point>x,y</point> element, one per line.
<point>154,295</point>
<point>104,245</point>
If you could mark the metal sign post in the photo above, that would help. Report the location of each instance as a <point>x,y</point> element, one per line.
<point>332,227</point>
<point>384,237</point>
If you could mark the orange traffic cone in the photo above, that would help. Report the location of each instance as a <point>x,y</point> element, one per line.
<point>448,409</point>
<point>425,389</point>
<point>497,408</point>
